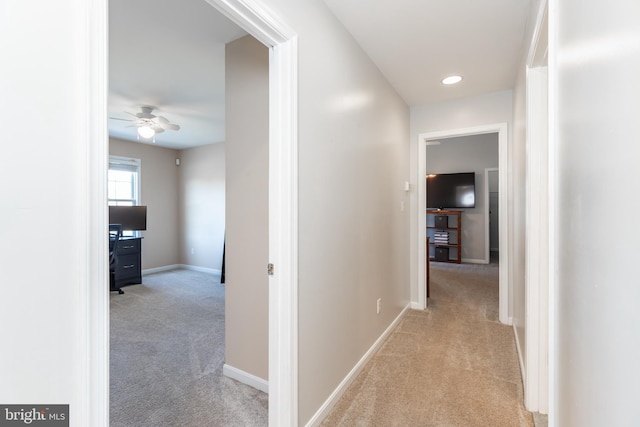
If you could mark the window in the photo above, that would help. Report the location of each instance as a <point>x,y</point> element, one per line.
<point>123,183</point>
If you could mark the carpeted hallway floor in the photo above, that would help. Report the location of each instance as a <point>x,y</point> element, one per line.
<point>167,352</point>
<point>450,365</point>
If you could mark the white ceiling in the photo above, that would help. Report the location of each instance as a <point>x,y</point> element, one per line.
<point>170,54</point>
<point>416,43</point>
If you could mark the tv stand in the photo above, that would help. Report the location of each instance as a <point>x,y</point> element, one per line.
<point>440,223</point>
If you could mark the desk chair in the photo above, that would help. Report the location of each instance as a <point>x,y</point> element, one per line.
<point>115,231</point>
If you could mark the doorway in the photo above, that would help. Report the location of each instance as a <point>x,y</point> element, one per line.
<point>282,42</point>
<point>492,197</point>
<point>423,141</point>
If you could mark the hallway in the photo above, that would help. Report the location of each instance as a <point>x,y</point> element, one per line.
<point>450,365</point>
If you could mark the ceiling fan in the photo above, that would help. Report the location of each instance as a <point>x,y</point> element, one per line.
<point>148,124</point>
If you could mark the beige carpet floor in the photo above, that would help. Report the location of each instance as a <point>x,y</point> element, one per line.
<point>450,365</point>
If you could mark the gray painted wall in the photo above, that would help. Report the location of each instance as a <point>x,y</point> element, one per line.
<point>247,207</point>
<point>202,205</point>
<point>159,191</point>
<point>185,203</point>
<point>353,163</point>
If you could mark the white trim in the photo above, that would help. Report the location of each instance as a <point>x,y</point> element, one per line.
<point>245,378</point>
<point>552,354</point>
<point>161,269</point>
<point>415,306</point>
<point>474,261</point>
<point>519,351</point>
<point>503,167</point>
<point>263,24</point>
<point>283,234</point>
<point>537,243</point>
<point>96,412</point>
<point>268,28</point>
<point>214,271</point>
<point>154,270</point>
<point>326,407</point>
<point>136,166</point>
<point>256,19</point>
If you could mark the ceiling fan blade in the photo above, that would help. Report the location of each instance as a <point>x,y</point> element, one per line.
<point>118,118</point>
<point>160,119</point>
<point>170,126</point>
<point>157,129</point>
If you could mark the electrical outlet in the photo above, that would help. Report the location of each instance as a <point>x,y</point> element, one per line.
<point>378,305</point>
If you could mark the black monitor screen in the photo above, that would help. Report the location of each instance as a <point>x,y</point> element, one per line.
<point>130,217</point>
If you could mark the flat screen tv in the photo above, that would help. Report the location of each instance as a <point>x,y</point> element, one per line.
<point>451,190</point>
<point>130,217</point>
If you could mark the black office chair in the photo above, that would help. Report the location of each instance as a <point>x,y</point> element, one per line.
<point>115,231</point>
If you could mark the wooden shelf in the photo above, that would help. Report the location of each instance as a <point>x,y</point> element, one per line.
<point>453,227</point>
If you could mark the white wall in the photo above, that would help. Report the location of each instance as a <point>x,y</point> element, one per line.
<point>159,192</point>
<point>44,196</point>
<point>202,205</point>
<point>472,153</point>
<point>594,64</point>
<point>247,207</point>
<point>482,110</point>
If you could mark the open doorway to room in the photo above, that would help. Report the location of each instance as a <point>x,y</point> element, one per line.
<point>174,333</point>
<point>451,152</point>
<point>492,194</point>
<point>457,182</point>
<point>271,32</point>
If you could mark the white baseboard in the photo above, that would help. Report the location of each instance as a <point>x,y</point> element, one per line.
<point>474,261</point>
<point>201,269</point>
<point>520,355</point>
<point>245,378</point>
<point>159,269</point>
<point>324,410</point>
<point>181,266</point>
<point>416,306</point>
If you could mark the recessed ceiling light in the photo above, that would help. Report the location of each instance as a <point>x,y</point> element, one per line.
<point>451,80</point>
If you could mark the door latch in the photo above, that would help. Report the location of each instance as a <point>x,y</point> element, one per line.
<point>270,269</point>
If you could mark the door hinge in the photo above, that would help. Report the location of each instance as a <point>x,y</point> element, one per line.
<point>270,269</point>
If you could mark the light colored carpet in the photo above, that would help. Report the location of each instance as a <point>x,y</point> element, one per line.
<point>450,365</point>
<point>167,352</point>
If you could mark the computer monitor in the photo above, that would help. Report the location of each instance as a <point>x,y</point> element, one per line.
<point>132,218</point>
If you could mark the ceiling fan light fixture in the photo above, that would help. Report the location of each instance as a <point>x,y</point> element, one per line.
<point>451,80</point>
<point>146,132</point>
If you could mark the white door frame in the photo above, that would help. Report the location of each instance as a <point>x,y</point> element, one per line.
<point>501,130</point>
<point>268,28</point>
<point>538,248</point>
